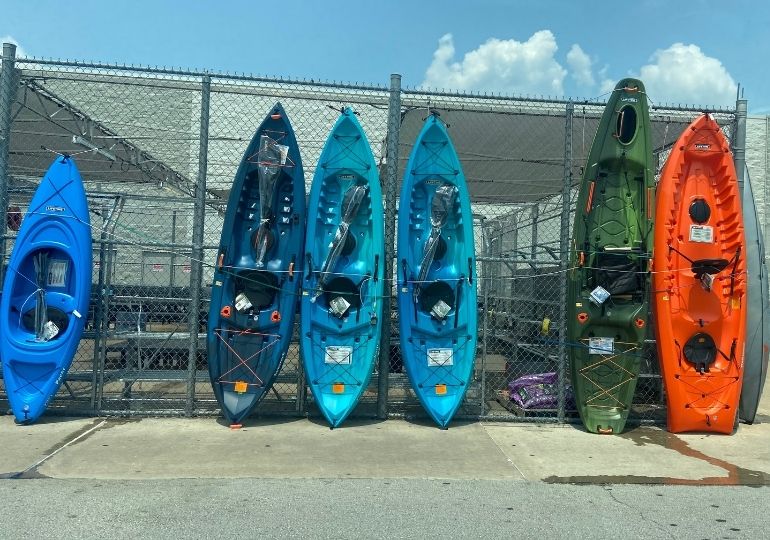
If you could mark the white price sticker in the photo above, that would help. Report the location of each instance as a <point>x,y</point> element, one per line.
<point>336,354</point>
<point>702,233</point>
<point>601,345</point>
<point>440,357</point>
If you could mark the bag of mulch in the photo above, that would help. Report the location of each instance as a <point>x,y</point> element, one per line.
<point>538,391</point>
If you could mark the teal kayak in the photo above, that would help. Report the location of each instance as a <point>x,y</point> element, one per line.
<point>437,274</point>
<point>341,317</point>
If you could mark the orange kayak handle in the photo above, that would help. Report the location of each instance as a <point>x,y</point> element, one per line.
<point>590,196</point>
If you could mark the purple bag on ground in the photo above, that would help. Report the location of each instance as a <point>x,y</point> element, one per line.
<point>538,391</point>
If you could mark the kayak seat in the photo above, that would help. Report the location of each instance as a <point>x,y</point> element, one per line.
<point>345,288</point>
<point>259,286</point>
<point>708,266</point>
<point>55,315</point>
<point>701,350</point>
<point>435,292</point>
<point>618,273</point>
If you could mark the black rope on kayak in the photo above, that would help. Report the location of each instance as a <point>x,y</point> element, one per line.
<point>442,369</point>
<point>342,108</point>
<point>346,150</point>
<point>57,191</point>
<point>699,391</point>
<point>336,369</point>
<point>733,260</point>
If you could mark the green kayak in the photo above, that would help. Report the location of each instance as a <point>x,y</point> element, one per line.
<point>608,280</point>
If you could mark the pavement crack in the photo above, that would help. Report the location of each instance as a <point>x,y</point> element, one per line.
<point>608,490</point>
<point>500,449</point>
<point>32,470</point>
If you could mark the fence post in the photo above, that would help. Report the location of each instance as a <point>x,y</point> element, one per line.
<point>196,260</point>
<point>564,264</point>
<point>739,140</point>
<point>391,167</point>
<point>6,100</point>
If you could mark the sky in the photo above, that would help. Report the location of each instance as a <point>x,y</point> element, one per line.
<point>693,52</point>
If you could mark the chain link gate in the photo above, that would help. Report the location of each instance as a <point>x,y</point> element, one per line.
<point>158,150</point>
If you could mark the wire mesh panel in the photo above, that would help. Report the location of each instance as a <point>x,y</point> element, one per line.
<point>146,141</point>
<point>237,109</point>
<point>134,139</point>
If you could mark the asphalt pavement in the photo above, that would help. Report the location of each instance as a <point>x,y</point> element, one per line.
<point>196,478</point>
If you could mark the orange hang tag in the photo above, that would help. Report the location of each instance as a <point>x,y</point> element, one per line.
<point>440,389</point>
<point>338,388</point>
<point>241,387</point>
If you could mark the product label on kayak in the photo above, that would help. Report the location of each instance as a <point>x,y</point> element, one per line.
<point>57,273</point>
<point>336,354</point>
<point>284,150</point>
<point>601,345</point>
<point>440,357</point>
<point>702,233</point>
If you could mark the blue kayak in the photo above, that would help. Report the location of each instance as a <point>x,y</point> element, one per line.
<point>341,317</point>
<point>258,269</point>
<point>437,274</point>
<point>46,291</point>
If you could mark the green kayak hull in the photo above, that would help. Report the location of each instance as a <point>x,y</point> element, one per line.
<point>611,249</point>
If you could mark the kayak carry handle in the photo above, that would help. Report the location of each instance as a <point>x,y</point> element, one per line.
<point>291,267</point>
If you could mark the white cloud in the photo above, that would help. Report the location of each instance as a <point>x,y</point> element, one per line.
<point>20,52</point>
<point>606,85</point>
<point>500,66</point>
<point>580,66</point>
<point>683,74</point>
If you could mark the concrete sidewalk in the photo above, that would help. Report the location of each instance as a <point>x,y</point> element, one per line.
<point>104,448</point>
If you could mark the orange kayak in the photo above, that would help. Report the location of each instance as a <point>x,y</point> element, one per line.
<point>699,281</point>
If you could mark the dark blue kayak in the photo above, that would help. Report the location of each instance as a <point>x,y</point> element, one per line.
<point>258,269</point>
<point>46,291</point>
<point>437,274</point>
<point>758,313</point>
<point>343,287</point>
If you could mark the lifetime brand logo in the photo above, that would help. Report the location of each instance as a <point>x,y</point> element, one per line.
<point>629,99</point>
<point>702,146</point>
<point>55,208</point>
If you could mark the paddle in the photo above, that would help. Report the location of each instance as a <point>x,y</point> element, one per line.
<point>350,204</point>
<point>270,158</point>
<point>441,205</point>
<point>41,309</point>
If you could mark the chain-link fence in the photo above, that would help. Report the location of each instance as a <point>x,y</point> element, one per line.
<point>158,151</point>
